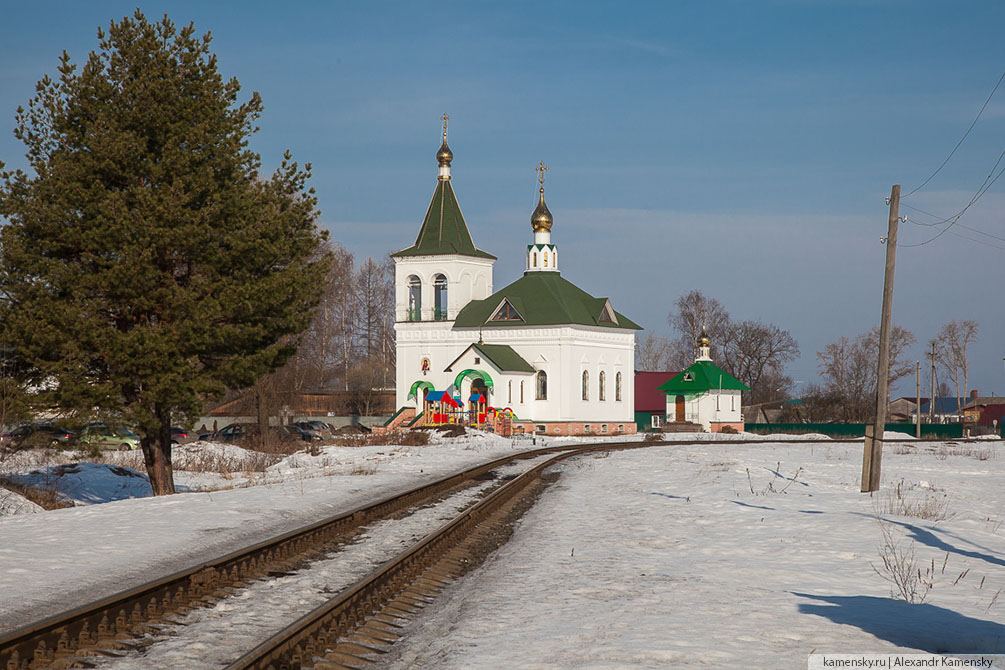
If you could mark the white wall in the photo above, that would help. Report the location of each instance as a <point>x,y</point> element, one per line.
<point>468,278</point>
<point>563,352</point>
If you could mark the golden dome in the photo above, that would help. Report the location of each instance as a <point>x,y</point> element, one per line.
<point>444,155</point>
<point>703,339</point>
<point>541,219</point>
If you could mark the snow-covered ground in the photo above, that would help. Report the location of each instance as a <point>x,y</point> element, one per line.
<point>733,556</point>
<point>737,555</point>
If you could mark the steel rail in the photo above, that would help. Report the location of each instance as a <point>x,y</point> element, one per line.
<point>107,620</point>
<point>314,633</point>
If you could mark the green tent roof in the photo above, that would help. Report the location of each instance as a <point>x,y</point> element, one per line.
<point>702,376</point>
<point>541,299</point>
<point>504,357</point>
<point>443,230</point>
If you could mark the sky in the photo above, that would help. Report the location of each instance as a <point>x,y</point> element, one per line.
<point>743,149</point>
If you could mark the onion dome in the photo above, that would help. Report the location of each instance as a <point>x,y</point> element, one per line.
<point>444,155</point>
<point>703,339</point>
<point>541,219</point>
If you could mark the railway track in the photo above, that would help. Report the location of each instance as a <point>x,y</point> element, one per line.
<point>352,628</point>
<point>100,628</point>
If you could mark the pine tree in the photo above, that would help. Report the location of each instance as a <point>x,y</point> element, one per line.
<point>146,262</point>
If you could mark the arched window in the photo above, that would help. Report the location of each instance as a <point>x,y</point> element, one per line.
<point>602,391</point>
<point>509,391</point>
<point>617,387</point>
<point>586,385</point>
<point>439,298</point>
<point>534,259</point>
<point>542,385</point>
<point>414,298</point>
<point>521,393</point>
<point>546,259</point>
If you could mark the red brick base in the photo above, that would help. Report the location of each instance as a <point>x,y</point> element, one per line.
<point>575,427</point>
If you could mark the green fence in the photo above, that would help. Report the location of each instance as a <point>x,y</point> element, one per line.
<point>931,431</point>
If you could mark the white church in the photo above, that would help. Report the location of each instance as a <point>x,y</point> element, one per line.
<point>541,352</point>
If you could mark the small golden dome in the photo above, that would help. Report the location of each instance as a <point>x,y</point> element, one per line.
<point>703,339</point>
<point>444,155</point>
<point>541,219</point>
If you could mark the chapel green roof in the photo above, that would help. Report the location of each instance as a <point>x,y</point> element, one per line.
<point>542,299</point>
<point>443,230</point>
<point>503,356</point>
<point>702,376</point>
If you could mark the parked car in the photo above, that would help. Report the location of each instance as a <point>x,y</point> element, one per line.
<point>233,432</point>
<point>102,436</point>
<point>312,428</point>
<point>246,432</point>
<point>293,432</point>
<point>181,436</point>
<point>39,435</point>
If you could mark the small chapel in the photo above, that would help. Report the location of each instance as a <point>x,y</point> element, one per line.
<point>538,356</point>
<point>704,394</point>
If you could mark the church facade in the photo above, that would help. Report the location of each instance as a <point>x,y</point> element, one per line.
<point>542,351</point>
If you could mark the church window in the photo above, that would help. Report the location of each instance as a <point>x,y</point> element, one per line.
<point>509,391</point>
<point>605,316</point>
<point>414,299</point>
<point>617,387</point>
<point>521,393</point>
<point>546,259</point>
<point>534,260</point>
<point>603,429</point>
<point>586,385</point>
<point>440,298</point>
<point>542,385</point>
<point>506,312</point>
<point>602,392</point>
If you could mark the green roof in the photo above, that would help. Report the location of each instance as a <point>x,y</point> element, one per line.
<point>500,355</point>
<point>503,357</point>
<point>443,230</point>
<point>541,299</point>
<point>700,377</point>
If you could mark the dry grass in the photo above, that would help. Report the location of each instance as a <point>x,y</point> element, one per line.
<point>45,497</point>
<point>407,438</point>
<point>899,567</point>
<point>907,499</point>
<point>981,453</point>
<point>224,463</point>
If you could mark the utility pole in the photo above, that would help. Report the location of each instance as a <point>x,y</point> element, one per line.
<point>917,398</point>
<point>931,403</point>
<point>872,456</point>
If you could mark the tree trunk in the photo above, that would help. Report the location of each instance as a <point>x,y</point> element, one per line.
<point>263,415</point>
<point>157,456</point>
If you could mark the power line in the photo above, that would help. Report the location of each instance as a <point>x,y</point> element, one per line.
<point>946,220</point>
<point>953,220</point>
<point>983,107</point>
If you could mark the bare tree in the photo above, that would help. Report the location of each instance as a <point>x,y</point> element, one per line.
<point>951,348</point>
<point>653,354</point>
<point>849,369</point>
<point>756,354</point>
<point>692,311</point>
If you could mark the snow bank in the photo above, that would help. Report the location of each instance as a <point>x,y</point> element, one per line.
<point>13,503</point>
<point>88,483</point>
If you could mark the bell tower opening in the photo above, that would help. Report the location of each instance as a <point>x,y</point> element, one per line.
<point>440,298</point>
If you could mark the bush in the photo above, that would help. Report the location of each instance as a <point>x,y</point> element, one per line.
<point>729,430</point>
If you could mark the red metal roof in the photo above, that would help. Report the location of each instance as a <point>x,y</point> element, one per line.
<point>647,397</point>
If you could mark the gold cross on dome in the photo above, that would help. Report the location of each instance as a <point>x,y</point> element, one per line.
<point>541,169</point>
<point>445,118</point>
